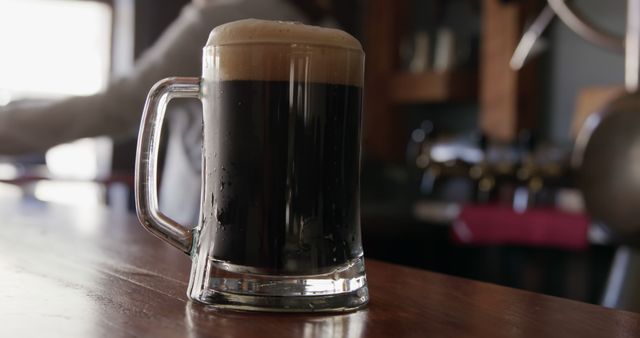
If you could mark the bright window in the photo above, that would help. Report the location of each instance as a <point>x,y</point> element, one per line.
<point>53,48</point>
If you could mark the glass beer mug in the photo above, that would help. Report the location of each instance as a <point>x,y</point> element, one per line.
<point>279,226</point>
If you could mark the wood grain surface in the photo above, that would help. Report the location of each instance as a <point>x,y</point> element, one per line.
<point>90,272</point>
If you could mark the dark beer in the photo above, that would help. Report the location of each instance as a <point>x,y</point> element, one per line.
<point>279,227</point>
<point>285,185</point>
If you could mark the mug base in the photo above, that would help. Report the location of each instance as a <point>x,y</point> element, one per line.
<point>342,290</point>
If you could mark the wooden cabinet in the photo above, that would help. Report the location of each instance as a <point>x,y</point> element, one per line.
<point>506,98</point>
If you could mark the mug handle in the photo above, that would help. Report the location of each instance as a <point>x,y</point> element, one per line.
<point>146,171</point>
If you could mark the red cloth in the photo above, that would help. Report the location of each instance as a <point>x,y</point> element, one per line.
<point>494,224</point>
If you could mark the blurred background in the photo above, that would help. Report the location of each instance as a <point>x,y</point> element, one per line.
<point>467,154</point>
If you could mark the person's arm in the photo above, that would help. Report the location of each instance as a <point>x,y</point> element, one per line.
<point>116,112</point>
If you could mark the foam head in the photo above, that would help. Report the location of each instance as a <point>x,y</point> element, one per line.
<point>254,49</point>
<point>264,31</point>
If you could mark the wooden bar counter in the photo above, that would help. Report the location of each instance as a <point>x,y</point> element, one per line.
<point>92,272</point>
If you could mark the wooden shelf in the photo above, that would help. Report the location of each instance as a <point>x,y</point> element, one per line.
<point>432,87</point>
<point>507,99</point>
